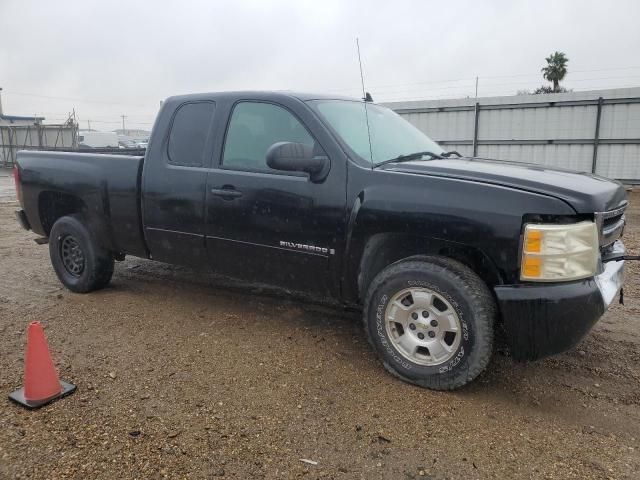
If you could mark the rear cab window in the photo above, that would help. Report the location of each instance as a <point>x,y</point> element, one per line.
<point>192,124</point>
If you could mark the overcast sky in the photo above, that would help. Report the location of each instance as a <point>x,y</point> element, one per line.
<point>109,58</point>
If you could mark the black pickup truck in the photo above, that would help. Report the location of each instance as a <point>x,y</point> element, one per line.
<point>345,200</point>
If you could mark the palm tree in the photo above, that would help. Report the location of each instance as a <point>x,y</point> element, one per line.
<point>556,69</point>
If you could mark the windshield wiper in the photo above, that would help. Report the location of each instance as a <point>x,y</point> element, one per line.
<point>452,152</point>
<point>407,158</point>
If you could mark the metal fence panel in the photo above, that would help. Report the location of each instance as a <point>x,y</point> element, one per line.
<point>537,123</point>
<point>621,161</point>
<point>588,131</point>
<point>575,157</point>
<point>620,121</point>
<point>451,125</point>
<point>35,137</point>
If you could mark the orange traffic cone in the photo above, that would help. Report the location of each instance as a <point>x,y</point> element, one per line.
<point>41,383</point>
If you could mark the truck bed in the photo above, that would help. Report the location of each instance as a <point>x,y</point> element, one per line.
<point>107,186</point>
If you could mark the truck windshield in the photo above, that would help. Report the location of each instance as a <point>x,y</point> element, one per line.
<point>391,135</point>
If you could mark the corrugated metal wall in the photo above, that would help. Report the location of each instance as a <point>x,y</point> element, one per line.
<point>557,129</point>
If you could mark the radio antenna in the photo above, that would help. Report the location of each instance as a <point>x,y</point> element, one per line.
<point>365,98</point>
<point>364,95</point>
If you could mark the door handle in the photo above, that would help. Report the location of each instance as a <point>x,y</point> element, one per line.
<point>226,192</point>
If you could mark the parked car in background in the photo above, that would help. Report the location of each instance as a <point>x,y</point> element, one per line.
<point>93,139</point>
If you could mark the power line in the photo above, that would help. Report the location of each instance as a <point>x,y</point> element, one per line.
<point>73,99</point>
<point>481,77</point>
<point>482,85</point>
<point>451,88</point>
<point>470,94</point>
<point>378,87</point>
<point>572,71</point>
<point>492,86</point>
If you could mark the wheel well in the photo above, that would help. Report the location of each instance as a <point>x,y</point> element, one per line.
<point>53,205</point>
<point>384,249</point>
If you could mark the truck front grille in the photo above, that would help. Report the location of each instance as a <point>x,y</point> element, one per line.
<point>610,225</point>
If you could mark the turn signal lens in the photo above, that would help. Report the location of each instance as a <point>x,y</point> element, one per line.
<point>531,267</point>
<point>557,253</point>
<point>533,241</point>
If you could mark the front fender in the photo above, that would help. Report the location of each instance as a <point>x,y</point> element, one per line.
<point>433,215</point>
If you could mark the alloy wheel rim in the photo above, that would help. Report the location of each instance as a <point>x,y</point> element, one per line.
<point>72,256</point>
<point>423,326</point>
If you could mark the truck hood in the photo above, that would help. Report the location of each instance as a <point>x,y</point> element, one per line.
<point>585,192</point>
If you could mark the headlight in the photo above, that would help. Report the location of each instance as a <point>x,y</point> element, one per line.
<point>557,253</point>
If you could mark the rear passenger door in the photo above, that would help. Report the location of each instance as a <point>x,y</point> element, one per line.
<point>174,182</point>
<point>271,226</point>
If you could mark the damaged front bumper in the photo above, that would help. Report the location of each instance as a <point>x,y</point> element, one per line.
<point>611,278</point>
<point>545,319</point>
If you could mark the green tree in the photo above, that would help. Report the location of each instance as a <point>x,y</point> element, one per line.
<point>556,69</point>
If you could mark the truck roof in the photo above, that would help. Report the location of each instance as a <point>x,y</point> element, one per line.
<point>274,95</point>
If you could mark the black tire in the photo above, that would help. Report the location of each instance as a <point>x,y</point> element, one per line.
<point>79,262</point>
<point>466,293</point>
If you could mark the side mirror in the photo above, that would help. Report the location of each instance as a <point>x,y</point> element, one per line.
<point>297,157</point>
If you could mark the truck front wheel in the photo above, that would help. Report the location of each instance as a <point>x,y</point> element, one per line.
<point>79,262</point>
<point>430,320</point>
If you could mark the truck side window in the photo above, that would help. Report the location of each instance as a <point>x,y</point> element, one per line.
<point>253,128</point>
<point>191,126</point>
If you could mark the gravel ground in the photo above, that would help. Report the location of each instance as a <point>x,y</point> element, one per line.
<point>183,376</point>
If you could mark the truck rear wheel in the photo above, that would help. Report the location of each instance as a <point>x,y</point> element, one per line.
<point>79,262</point>
<point>430,321</point>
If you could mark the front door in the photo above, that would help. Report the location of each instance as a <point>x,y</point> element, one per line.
<point>268,226</point>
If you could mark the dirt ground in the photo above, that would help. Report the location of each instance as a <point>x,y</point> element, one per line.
<point>182,376</point>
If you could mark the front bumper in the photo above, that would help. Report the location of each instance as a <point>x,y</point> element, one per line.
<point>545,319</point>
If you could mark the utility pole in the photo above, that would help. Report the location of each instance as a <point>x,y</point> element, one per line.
<point>476,88</point>
<point>89,124</point>
<point>0,100</point>
<point>124,132</point>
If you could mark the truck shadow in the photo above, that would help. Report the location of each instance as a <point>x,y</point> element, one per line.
<point>202,294</point>
<point>551,386</point>
<point>137,276</point>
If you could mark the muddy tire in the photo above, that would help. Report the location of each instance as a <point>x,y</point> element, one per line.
<point>430,321</point>
<point>79,262</point>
